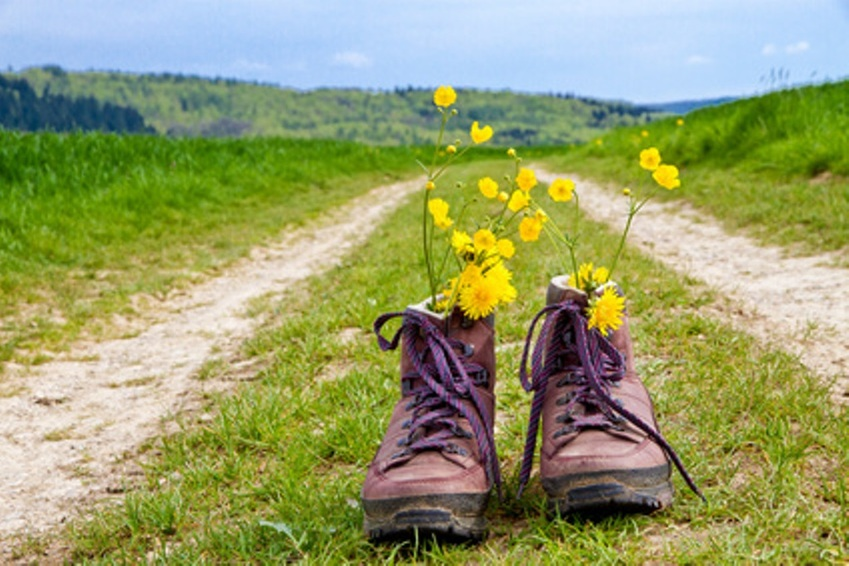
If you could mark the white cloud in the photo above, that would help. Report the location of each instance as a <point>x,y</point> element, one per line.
<point>352,59</point>
<point>699,60</point>
<point>796,48</point>
<point>790,49</point>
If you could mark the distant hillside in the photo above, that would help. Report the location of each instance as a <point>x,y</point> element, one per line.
<point>21,108</point>
<point>685,106</point>
<point>181,105</point>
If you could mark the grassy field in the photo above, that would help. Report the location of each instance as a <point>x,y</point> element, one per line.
<point>272,471</point>
<point>87,220</point>
<point>776,166</point>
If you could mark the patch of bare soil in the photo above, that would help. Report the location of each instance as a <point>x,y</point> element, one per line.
<point>796,303</point>
<point>68,426</point>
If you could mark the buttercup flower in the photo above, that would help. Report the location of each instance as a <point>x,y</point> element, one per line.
<point>444,96</point>
<point>503,197</point>
<point>488,187</point>
<point>529,229</point>
<point>484,240</point>
<point>451,149</point>
<point>430,185</point>
<point>505,248</point>
<point>519,200</point>
<point>561,190</point>
<point>667,177</point>
<point>480,135</point>
<point>606,311</point>
<point>526,179</point>
<point>438,208</point>
<point>650,159</point>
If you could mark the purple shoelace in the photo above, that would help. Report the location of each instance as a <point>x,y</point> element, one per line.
<point>445,377</point>
<point>600,366</point>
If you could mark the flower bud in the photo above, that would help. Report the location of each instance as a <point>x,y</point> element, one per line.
<point>511,153</point>
<point>430,185</point>
<point>451,149</point>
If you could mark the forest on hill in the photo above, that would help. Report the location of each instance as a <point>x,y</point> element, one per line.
<point>194,106</point>
<point>21,108</point>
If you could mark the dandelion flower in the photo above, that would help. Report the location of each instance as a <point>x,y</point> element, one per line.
<point>650,159</point>
<point>519,200</point>
<point>500,278</point>
<point>529,229</point>
<point>667,177</point>
<point>606,311</point>
<point>601,275</point>
<point>444,96</point>
<point>479,299</point>
<point>488,187</point>
<point>561,190</point>
<point>526,179</point>
<point>462,243</point>
<point>480,135</point>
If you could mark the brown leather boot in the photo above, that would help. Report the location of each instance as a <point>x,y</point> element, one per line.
<point>601,449</point>
<point>437,463</point>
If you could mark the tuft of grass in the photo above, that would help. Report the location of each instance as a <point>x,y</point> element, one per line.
<point>274,474</point>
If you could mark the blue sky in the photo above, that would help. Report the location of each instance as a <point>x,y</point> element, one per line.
<point>656,51</point>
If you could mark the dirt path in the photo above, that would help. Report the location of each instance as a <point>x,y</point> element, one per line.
<point>65,435</point>
<point>799,303</point>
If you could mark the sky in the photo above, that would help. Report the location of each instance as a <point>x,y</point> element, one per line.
<point>643,52</point>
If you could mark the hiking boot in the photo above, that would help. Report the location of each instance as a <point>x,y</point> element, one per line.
<point>602,451</point>
<point>437,462</point>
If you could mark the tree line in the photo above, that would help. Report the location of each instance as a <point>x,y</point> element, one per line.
<point>21,108</point>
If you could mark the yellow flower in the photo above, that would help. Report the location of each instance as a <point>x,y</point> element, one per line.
<point>500,277</point>
<point>585,275</point>
<point>505,248</point>
<point>479,298</point>
<point>480,135</point>
<point>561,190</point>
<point>667,177</point>
<point>484,240</point>
<point>626,191</point>
<point>488,187</point>
<point>451,149</point>
<point>601,275</point>
<point>430,185</point>
<point>650,159</point>
<point>519,200</point>
<point>439,210</point>
<point>680,121</point>
<point>444,96</point>
<point>644,133</point>
<point>529,229</point>
<point>606,311</point>
<point>462,243</point>
<point>511,153</point>
<point>503,197</point>
<point>526,179</point>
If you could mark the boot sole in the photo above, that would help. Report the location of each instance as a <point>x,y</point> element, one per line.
<point>610,492</point>
<point>449,517</point>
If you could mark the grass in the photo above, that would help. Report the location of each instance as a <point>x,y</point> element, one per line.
<point>272,472</point>
<point>775,167</point>
<point>87,220</point>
